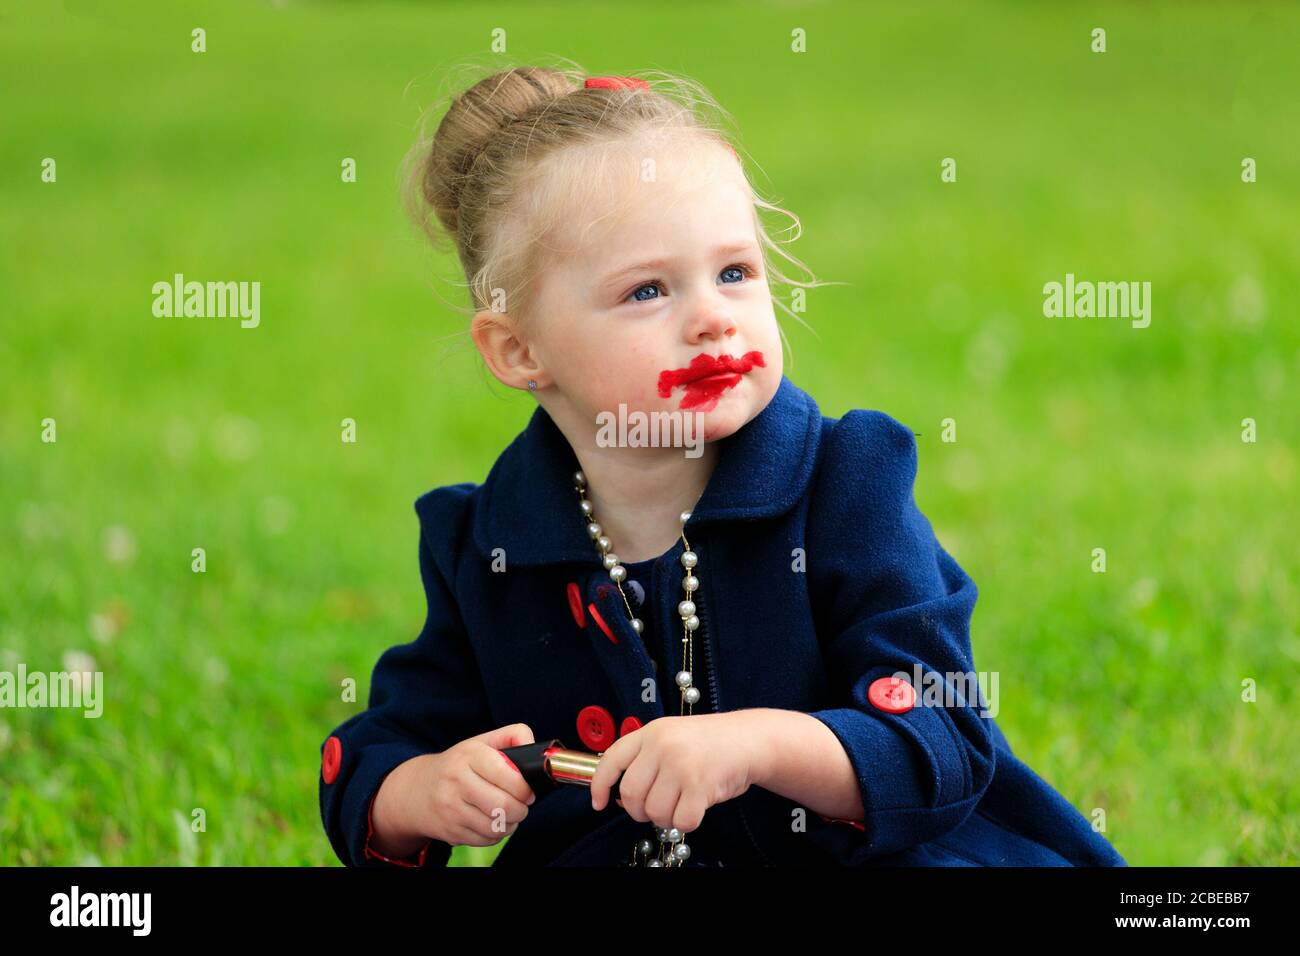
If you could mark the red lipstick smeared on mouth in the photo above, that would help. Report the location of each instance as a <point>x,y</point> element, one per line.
<point>706,378</point>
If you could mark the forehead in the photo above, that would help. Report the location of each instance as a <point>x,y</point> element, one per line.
<point>673,189</point>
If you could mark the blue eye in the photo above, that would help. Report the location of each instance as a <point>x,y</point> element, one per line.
<point>743,272</point>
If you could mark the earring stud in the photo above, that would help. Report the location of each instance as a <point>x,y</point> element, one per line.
<point>532,385</point>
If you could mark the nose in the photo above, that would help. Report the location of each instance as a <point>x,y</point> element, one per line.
<point>711,319</point>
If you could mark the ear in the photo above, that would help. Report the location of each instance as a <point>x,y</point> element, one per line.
<point>504,351</point>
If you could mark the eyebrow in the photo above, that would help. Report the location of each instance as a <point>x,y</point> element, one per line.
<point>733,248</point>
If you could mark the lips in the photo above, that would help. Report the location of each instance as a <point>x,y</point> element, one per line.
<point>707,377</point>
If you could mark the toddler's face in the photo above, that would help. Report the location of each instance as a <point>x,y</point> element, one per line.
<point>663,303</point>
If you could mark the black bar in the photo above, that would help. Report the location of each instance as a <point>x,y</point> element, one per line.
<point>913,907</point>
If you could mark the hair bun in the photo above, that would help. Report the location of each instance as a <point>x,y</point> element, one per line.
<point>472,122</point>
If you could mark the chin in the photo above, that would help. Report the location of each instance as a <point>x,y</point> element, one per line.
<point>728,418</point>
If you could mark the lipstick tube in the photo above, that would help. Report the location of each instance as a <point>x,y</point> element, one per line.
<point>548,763</point>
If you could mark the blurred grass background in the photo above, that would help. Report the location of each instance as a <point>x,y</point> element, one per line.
<point>1122,689</point>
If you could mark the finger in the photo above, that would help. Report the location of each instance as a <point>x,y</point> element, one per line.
<point>500,771</point>
<point>469,821</point>
<point>612,763</point>
<point>661,800</point>
<point>479,828</point>
<point>690,812</point>
<point>492,801</point>
<point>461,825</point>
<point>511,735</point>
<point>635,787</point>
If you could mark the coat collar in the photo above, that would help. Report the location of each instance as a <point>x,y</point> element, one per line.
<point>527,505</point>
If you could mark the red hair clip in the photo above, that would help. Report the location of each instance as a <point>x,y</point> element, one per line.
<point>615,83</point>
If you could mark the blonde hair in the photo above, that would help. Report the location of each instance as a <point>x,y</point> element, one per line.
<point>485,180</point>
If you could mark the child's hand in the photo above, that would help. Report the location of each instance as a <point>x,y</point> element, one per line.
<point>456,795</point>
<point>676,768</point>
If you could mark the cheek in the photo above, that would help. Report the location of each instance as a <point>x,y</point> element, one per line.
<point>623,372</point>
<point>766,380</point>
<point>773,362</point>
<point>769,343</point>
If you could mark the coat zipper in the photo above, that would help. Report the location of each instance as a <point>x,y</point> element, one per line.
<point>703,614</point>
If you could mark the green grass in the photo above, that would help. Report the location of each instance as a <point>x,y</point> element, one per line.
<point>1122,689</point>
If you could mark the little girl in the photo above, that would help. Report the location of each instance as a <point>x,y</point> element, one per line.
<point>746,629</point>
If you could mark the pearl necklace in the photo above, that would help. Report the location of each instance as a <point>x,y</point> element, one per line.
<point>673,850</point>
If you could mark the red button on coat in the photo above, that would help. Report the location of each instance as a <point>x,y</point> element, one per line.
<point>629,724</point>
<point>330,759</point>
<point>575,604</point>
<point>892,695</point>
<point>596,727</point>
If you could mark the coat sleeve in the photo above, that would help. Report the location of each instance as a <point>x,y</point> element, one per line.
<point>425,696</point>
<point>889,601</point>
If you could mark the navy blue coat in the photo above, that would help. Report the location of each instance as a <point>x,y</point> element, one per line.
<point>878,595</point>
